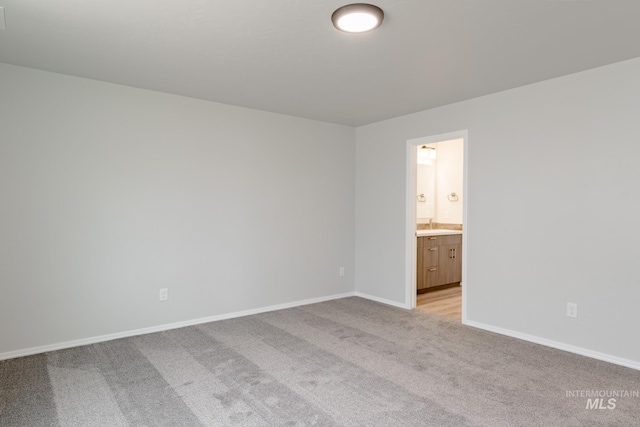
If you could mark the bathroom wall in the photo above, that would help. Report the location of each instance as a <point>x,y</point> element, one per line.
<point>437,181</point>
<point>449,174</point>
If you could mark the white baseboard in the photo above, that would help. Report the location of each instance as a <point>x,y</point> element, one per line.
<point>382,300</point>
<point>160,328</point>
<point>555,344</point>
<point>502,331</point>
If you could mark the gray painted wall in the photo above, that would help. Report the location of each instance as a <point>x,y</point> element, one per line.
<point>553,207</point>
<point>109,193</point>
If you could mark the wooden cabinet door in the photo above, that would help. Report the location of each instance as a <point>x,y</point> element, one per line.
<point>439,260</point>
<point>450,264</point>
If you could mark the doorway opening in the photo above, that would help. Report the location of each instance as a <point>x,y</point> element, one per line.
<point>436,224</point>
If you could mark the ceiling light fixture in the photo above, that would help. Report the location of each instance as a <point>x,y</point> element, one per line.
<point>357,18</point>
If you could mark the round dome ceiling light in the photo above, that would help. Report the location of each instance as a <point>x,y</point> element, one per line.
<point>357,18</point>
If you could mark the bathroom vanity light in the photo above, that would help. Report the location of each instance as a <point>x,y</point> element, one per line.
<point>426,155</point>
<point>357,18</point>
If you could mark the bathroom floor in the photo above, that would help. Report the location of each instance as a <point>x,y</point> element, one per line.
<point>444,302</point>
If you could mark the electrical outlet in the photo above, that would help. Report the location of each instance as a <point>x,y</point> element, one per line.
<point>572,309</point>
<point>164,294</point>
<point>341,271</point>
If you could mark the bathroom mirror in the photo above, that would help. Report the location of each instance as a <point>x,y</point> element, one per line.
<point>426,189</point>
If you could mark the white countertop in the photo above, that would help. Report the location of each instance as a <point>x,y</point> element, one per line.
<point>437,232</point>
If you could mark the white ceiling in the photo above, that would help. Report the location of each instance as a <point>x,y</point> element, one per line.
<point>284,55</point>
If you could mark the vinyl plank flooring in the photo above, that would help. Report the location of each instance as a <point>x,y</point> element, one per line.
<point>443,302</point>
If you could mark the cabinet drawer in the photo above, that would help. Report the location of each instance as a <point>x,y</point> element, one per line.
<point>429,241</point>
<point>430,277</point>
<point>430,256</point>
<point>448,239</point>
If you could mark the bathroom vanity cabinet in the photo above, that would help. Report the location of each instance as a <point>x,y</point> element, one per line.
<point>439,260</point>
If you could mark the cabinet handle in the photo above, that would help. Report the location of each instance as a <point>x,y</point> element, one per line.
<point>432,238</point>
<point>455,254</point>
<point>435,248</point>
<point>433,269</point>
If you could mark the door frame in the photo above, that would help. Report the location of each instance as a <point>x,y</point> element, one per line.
<point>411,205</point>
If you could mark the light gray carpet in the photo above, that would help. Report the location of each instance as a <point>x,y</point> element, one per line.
<point>349,362</point>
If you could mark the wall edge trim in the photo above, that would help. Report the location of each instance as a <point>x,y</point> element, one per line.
<point>382,300</point>
<point>556,344</point>
<point>165,327</point>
